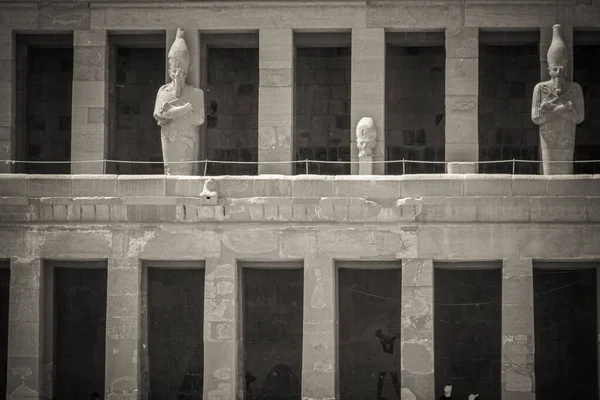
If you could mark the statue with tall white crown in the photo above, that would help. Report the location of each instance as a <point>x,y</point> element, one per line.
<point>179,111</point>
<point>557,107</point>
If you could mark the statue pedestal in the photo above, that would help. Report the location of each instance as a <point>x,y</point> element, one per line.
<point>462,168</point>
<point>365,165</point>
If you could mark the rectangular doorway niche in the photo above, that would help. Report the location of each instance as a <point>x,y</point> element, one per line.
<point>175,320</point>
<point>509,69</point>
<point>272,298</point>
<point>4,299</point>
<point>322,102</point>
<point>468,328</point>
<point>231,102</point>
<point>137,71</point>
<point>586,61</point>
<point>44,75</point>
<point>79,322</point>
<point>370,299</point>
<point>415,78</point>
<point>566,330</point>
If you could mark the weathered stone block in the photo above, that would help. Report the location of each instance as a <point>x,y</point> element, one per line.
<point>94,185</point>
<point>89,93</point>
<point>313,186</point>
<point>488,185</point>
<point>570,185</point>
<point>461,128</point>
<point>368,187</point>
<point>462,152</point>
<point>432,185</point>
<point>64,16</point>
<point>14,185</point>
<point>90,64</point>
<point>141,185</point>
<point>530,185</point>
<point>49,186</point>
<point>85,38</point>
<point>462,76</point>
<point>462,168</point>
<point>462,42</point>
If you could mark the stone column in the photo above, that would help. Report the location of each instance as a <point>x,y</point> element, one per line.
<point>89,127</point>
<point>319,338</point>
<point>48,332</point>
<point>194,78</point>
<point>367,94</point>
<point>276,101</point>
<point>416,337</point>
<point>7,97</point>
<point>25,337</point>
<point>122,376</point>
<point>223,343</point>
<point>462,86</point>
<point>518,373</point>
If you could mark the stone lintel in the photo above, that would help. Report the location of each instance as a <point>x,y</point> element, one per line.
<point>416,336</point>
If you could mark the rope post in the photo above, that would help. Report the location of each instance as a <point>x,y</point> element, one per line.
<point>514,165</point>
<point>205,166</point>
<point>306,166</point>
<point>403,167</point>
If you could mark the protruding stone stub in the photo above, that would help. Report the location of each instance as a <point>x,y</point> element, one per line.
<point>209,192</point>
<point>462,168</point>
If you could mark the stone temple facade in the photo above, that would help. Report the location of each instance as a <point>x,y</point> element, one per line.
<point>272,277</point>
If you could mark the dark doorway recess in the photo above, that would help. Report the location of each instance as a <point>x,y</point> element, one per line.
<point>44,84</point>
<point>586,62</point>
<point>565,318</point>
<point>80,331</point>
<point>175,340</point>
<point>369,313</point>
<point>273,324</point>
<point>4,299</point>
<point>468,330</point>
<point>509,69</point>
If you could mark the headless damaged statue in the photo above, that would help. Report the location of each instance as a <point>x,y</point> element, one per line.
<point>179,110</point>
<point>557,108</point>
<point>365,137</point>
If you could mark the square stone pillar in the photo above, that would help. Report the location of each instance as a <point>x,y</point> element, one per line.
<point>276,101</point>
<point>518,373</point>
<point>223,328</point>
<point>416,337</point>
<point>7,98</point>
<point>367,93</point>
<point>462,86</point>
<point>196,77</point>
<point>123,321</point>
<point>89,127</point>
<point>25,337</point>
<point>319,336</point>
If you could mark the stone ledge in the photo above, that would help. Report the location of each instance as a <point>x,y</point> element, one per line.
<point>300,186</point>
<point>485,209</point>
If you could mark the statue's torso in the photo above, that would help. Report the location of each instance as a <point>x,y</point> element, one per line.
<point>187,123</point>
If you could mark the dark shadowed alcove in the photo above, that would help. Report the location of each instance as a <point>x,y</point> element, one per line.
<point>43,102</point>
<point>586,62</point>
<point>414,101</point>
<point>4,298</point>
<point>175,312</point>
<point>231,102</point>
<point>468,328</point>
<point>272,330</point>
<point>137,71</point>
<point>322,102</point>
<point>369,328</point>
<point>79,328</point>
<point>509,69</point>
<point>565,318</point>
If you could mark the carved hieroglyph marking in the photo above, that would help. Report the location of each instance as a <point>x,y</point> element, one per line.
<point>23,391</point>
<point>318,299</point>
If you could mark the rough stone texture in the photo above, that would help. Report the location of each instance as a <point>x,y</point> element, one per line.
<point>462,58</point>
<point>415,108</point>
<point>232,110</point>
<point>89,137</point>
<point>7,97</point>
<point>367,97</point>
<point>80,323</point>
<point>518,374</point>
<point>322,109</point>
<point>123,377</point>
<point>4,299</point>
<point>468,328</point>
<point>24,363</point>
<point>417,339</point>
<point>319,340</point>
<point>276,101</point>
<point>135,136</point>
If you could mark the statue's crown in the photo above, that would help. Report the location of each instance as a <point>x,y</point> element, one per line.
<point>557,52</point>
<point>179,56</point>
